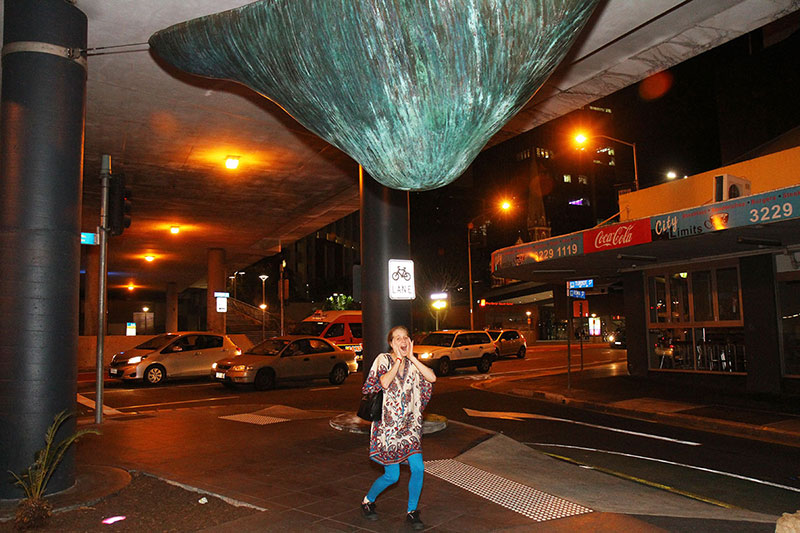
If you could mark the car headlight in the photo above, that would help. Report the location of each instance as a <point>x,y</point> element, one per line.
<point>425,355</point>
<point>241,368</point>
<point>611,338</point>
<point>137,359</point>
<point>213,366</point>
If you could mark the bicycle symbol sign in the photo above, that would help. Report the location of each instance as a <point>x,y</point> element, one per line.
<point>401,279</point>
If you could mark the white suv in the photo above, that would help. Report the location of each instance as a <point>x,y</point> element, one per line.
<point>445,350</point>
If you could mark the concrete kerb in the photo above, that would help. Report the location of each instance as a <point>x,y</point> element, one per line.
<point>727,427</point>
<point>352,423</point>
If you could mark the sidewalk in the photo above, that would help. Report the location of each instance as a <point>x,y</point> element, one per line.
<point>771,419</point>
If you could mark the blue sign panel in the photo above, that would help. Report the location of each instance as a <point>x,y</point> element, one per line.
<point>580,284</point>
<point>772,206</point>
<point>88,238</point>
<point>574,293</point>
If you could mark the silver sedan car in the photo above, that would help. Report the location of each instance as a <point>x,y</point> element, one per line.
<point>291,357</point>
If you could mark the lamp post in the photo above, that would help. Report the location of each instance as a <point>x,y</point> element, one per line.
<point>280,292</point>
<point>504,206</point>
<point>263,306</point>
<point>581,139</point>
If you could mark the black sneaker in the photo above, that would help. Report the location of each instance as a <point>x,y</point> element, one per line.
<point>413,520</point>
<point>369,511</point>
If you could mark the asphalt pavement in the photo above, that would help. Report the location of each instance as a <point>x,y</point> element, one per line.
<point>308,470</point>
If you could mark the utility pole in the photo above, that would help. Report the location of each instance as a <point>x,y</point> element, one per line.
<point>102,230</point>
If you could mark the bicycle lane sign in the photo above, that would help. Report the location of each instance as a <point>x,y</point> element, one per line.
<point>401,279</point>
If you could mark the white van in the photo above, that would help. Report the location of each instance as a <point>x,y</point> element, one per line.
<point>343,328</point>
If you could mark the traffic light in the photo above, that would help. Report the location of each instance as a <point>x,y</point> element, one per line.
<point>119,205</point>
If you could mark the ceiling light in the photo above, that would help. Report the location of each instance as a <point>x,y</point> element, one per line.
<point>232,161</point>
<point>149,258</point>
<point>174,229</point>
<point>145,309</point>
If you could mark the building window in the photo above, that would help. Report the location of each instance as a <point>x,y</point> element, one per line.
<point>583,180</point>
<point>695,320</point>
<point>567,178</point>
<point>543,153</point>
<point>523,155</point>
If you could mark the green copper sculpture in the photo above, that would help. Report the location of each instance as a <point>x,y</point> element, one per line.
<point>410,89</point>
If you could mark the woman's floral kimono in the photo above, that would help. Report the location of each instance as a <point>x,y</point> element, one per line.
<point>399,432</point>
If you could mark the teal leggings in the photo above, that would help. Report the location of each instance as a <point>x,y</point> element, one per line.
<point>392,474</point>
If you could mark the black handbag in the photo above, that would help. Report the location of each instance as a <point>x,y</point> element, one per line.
<point>371,406</point>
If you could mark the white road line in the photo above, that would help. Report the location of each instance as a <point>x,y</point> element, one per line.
<point>520,416</point>
<point>702,469</point>
<point>83,400</point>
<point>175,403</point>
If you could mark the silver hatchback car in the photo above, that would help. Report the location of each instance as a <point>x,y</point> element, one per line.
<point>180,354</point>
<point>291,357</point>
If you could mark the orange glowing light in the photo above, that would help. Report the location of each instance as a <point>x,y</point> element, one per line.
<point>232,162</point>
<point>131,286</point>
<point>174,229</point>
<point>149,258</point>
<point>505,205</point>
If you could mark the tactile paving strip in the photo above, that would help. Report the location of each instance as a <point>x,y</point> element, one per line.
<point>517,497</point>
<point>260,420</point>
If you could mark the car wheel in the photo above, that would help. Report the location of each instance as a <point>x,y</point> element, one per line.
<point>485,363</point>
<point>338,375</point>
<point>444,367</point>
<point>265,379</point>
<point>521,353</point>
<point>155,374</point>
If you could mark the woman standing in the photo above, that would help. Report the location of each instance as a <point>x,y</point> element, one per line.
<point>397,437</point>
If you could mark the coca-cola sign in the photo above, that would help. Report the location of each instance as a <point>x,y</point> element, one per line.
<point>616,236</point>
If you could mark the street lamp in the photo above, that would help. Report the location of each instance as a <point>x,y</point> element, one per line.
<point>263,306</point>
<point>280,291</point>
<point>505,205</point>
<point>582,139</point>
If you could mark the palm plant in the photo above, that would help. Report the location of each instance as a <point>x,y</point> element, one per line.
<point>33,510</point>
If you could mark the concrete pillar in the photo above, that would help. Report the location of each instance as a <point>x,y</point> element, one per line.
<point>761,321</point>
<point>171,321</point>
<point>384,235</point>
<point>91,290</point>
<point>41,147</point>
<point>636,323</point>
<point>215,322</point>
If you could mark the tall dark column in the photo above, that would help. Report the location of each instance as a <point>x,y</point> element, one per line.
<point>636,323</point>
<point>41,149</point>
<point>384,236</point>
<point>761,319</point>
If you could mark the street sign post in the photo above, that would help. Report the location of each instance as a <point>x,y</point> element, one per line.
<point>401,279</point>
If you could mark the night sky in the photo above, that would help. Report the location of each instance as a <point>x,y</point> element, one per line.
<point>704,113</point>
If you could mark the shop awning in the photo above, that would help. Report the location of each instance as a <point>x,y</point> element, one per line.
<point>761,223</point>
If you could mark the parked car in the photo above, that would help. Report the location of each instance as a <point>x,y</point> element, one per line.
<point>291,357</point>
<point>445,350</point>
<point>172,355</point>
<point>618,339</point>
<point>509,342</point>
